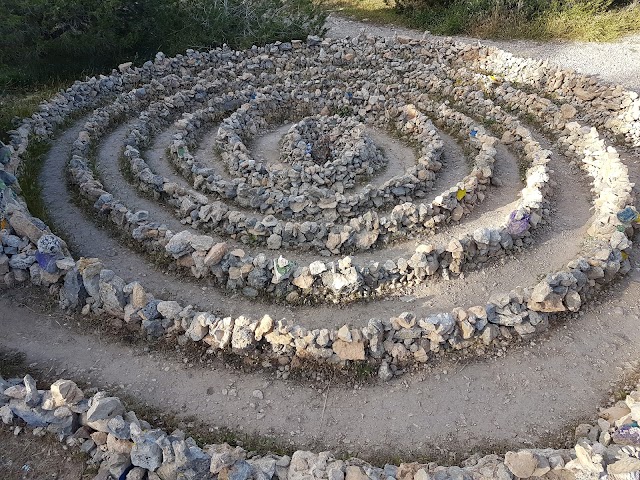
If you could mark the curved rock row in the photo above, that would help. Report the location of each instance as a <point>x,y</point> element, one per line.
<point>400,157</point>
<point>439,297</point>
<point>557,244</point>
<point>91,241</point>
<point>107,163</point>
<point>145,187</point>
<point>458,406</point>
<point>156,157</point>
<point>266,148</point>
<point>393,343</point>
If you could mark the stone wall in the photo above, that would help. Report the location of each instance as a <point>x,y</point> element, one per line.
<point>31,253</point>
<point>122,446</point>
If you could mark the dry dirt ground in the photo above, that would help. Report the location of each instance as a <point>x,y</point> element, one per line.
<point>25,457</point>
<point>528,393</point>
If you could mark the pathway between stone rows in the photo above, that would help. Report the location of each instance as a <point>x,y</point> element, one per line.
<point>89,240</point>
<point>520,398</point>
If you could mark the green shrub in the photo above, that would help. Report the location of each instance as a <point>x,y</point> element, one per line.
<point>541,19</point>
<point>45,40</point>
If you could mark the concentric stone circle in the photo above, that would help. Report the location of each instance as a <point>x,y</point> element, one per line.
<point>245,233</point>
<point>239,229</point>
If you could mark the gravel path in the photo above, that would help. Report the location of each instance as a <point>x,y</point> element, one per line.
<point>617,62</point>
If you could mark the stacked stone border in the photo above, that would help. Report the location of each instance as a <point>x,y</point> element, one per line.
<point>31,252</point>
<point>121,446</point>
<point>359,281</point>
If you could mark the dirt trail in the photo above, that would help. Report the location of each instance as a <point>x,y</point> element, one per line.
<point>514,400</point>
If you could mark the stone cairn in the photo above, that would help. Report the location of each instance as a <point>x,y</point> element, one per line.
<point>242,213</point>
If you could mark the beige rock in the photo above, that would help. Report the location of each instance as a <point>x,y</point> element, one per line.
<point>349,350</point>
<point>264,326</point>
<point>624,465</point>
<point>24,227</point>
<point>215,254</point>
<point>118,445</point>
<point>66,392</point>
<point>615,412</point>
<point>100,438</point>
<point>522,464</point>
<point>355,473</point>
<point>568,111</point>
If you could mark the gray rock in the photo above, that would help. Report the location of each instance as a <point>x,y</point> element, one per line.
<point>6,415</point>
<point>384,372</point>
<point>169,309</point>
<point>119,428</point>
<point>146,454</point>
<point>49,244</point>
<point>32,397</point>
<point>22,261</point>
<point>136,473</point>
<point>241,470</point>
<point>104,408</point>
<point>112,293</point>
<point>117,464</point>
<point>72,293</point>
<point>66,392</point>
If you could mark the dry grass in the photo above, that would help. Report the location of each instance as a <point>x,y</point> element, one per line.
<point>579,22</point>
<point>374,11</point>
<point>21,104</point>
<point>38,458</point>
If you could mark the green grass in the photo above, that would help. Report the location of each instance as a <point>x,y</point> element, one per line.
<point>588,20</point>
<point>20,104</point>
<point>15,106</point>
<point>28,175</point>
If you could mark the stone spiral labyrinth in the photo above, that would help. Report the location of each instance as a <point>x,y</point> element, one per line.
<point>332,201</point>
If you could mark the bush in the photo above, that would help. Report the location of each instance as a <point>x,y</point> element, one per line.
<point>45,40</point>
<point>543,19</point>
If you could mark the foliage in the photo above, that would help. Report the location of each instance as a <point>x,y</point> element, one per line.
<point>48,40</point>
<point>591,20</point>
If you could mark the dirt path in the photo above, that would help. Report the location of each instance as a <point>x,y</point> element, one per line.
<point>544,384</point>
<point>617,62</point>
